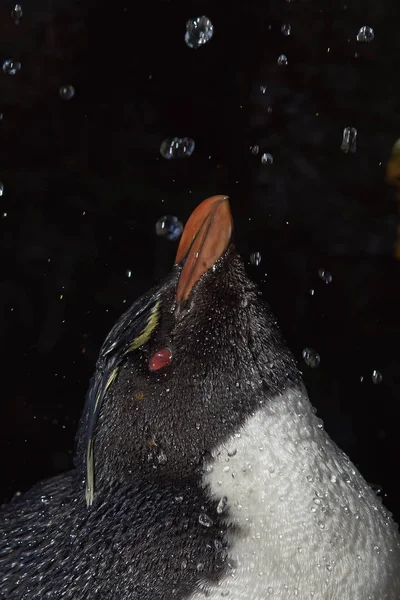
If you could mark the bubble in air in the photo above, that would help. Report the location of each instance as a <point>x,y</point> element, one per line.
<point>325,275</point>
<point>255,258</point>
<point>349,140</point>
<point>267,159</point>
<point>286,29</point>
<point>16,14</point>
<point>199,31</point>
<point>376,376</point>
<point>169,227</point>
<point>365,34</point>
<point>282,60</point>
<point>11,67</point>
<point>177,147</point>
<point>205,520</point>
<point>311,357</point>
<point>66,92</point>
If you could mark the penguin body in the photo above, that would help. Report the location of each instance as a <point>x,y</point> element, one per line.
<point>201,468</point>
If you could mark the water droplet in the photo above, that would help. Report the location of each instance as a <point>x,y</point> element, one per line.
<point>162,458</point>
<point>66,92</point>
<point>267,159</point>
<point>349,141</point>
<point>311,357</point>
<point>255,258</point>
<point>183,564</point>
<point>312,292</point>
<point>176,147</point>
<point>11,67</point>
<point>255,150</point>
<point>377,549</point>
<point>169,227</point>
<point>222,505</point>
<point>16,14</point>
<point>1,188</point>
<point>325,275</point>
<point>129,273</point>
<point>321,525</point>
<point>376,376</point>
<point>231,451</point>
<point>286,29</point>
<point>310,478</point>
<point>226,469</point>
<point>270,590</point>
<point>205,520</point>
<point>200,567</point>
<point>224,593</point>
<point>263,89</point>
<point>333,478</point>
<point>199,31</point>
<point>366,34</point>
<point>282,60</point>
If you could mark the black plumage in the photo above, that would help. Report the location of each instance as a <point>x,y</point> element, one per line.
<point>149,530</point>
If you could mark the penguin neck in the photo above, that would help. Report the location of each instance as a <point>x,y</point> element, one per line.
<point>297,504</point>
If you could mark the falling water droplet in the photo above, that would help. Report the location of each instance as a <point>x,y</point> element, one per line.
<point>11,67</point>
<point>66,92</point>
<point>205,520</point>
<point>162,458</point>
<point>263,89</point>
<point>376,376</point>
<point>177,147</point>
<point>222,505</point>
<point>16,14</point>
<point>311,357</point>
<point>325,275</point>
<point>199,31</point>
<point>366,34</point>
<point>255,150</point>
<point>349,141</point>
<point>169,227</point>
<point>1,188</point>
<point>286,29</point>
<point>267,159</point>
<point>282,60</point>
<point>255,258</point>
<point>129,273</point>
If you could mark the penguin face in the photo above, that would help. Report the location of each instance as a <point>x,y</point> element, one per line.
<point>186,365</point>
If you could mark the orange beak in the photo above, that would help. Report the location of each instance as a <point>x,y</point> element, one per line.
<point>204,240</point>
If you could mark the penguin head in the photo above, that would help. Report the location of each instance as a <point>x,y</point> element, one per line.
<point>185,366</point>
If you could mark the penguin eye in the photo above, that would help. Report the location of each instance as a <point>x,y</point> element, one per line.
<point>160,359</point>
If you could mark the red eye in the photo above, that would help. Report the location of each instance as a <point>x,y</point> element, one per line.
<point>160,359</point>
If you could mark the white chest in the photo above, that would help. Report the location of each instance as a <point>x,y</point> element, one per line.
<point>308,525</point>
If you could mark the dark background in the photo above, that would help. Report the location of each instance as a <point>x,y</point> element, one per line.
<point>84,184</point>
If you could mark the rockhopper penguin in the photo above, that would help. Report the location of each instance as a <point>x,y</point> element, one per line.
<point>202,470</point>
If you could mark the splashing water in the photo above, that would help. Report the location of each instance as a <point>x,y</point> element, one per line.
<point>199,31</point>
<point>366,34</point>
<point>169,227</point>
<point>177,148</point>
<point>349,141</point>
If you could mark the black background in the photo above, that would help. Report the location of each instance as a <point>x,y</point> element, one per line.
<point>84,184</point>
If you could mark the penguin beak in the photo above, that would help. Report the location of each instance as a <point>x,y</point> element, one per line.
<point>204,240</point>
